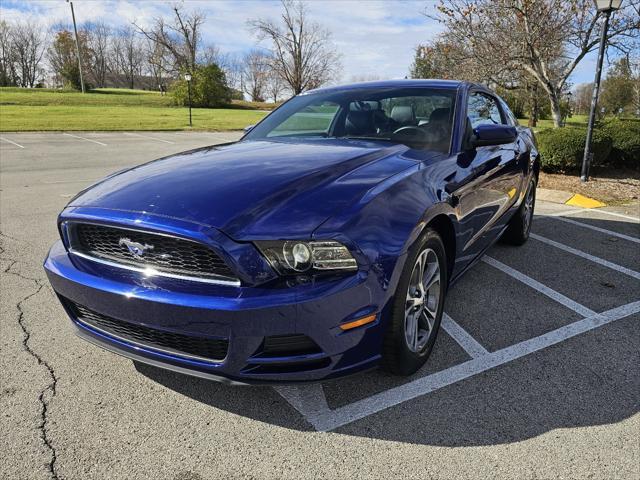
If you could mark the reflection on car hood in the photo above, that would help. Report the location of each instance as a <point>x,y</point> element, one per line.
<point>260,188</point>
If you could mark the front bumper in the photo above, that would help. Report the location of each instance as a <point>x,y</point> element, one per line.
<point>244,316</point>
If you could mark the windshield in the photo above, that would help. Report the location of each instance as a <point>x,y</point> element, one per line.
<point>418,117</point>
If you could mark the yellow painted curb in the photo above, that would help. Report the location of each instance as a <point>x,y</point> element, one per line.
<point>584,202</point>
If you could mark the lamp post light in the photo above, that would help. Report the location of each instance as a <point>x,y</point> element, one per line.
<point>187,77</point>
<point>607,7</point>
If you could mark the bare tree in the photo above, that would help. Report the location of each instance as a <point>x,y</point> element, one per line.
<point>446,58</point>
<point>157,61</point>
<point>232,65</point>
<point>547,39</point>
<point>275,86</point>
<point>129,55</point>
<point>181,38</point>
<point>98,37</point>
<point>255,75</point>
<point>8,76</point>
<point>29,45</point>
<point>209,55</point>
<point>302,53</point>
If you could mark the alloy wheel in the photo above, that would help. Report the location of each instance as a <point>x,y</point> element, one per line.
<point>423,301</point>
<point>528,207</point>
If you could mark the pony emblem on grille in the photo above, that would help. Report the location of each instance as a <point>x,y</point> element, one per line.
<point>135,248</point>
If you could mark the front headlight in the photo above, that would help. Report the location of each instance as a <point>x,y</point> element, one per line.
<point>292,256</point>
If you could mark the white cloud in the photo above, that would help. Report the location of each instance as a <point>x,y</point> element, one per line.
<point>374,37</point>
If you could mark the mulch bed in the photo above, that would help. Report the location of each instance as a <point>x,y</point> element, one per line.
<point>609,185</point>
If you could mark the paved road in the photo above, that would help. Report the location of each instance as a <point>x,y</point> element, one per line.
<point>535,376</point>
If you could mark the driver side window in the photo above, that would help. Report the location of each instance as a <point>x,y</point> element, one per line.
<point>483,110</point>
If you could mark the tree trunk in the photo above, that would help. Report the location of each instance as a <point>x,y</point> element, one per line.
<point>533,106</point>
<point>555,110</point>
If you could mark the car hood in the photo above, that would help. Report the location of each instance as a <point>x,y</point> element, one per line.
<point>252,189</point>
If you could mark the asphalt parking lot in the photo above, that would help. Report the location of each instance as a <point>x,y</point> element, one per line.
<point>535,374</point>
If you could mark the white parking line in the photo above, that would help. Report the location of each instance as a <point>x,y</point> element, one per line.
<point>616,214</point>
<point>580,253</point>
<point>11,141</point>
<point>460,335</point>
<point>597,229</point>
<point>55,182</point>
<point>326,419</point>
<point>549,292</point>
<point>85,139</point>
<point>149,137</point>
<point>597,210</point>
<point>563,212</point>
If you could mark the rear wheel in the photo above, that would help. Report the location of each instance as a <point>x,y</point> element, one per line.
<point>417,307</point>
<point>517,232</point>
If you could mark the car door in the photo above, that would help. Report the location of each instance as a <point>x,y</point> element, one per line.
<point>488,179</point>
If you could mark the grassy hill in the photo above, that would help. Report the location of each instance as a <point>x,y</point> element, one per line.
<point>123,109</point>
<point>113,109</point>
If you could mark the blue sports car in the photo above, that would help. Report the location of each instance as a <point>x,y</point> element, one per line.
<point>320,244</point>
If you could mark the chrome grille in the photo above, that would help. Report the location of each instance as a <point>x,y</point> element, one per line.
<point>165,254</point>
<point>210,349</point>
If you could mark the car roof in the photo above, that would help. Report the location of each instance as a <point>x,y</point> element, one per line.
<point>400,83</point>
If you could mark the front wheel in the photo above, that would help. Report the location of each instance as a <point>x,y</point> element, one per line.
<point>519,227</point>
<point>417,307</point>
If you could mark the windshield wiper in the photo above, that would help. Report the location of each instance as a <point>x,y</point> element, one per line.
<point>376,139</point>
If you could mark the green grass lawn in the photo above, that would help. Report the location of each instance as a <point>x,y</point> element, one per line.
<point>574,121</point>
<point>97,97</point>
<point>111,109</point>
<point>123,109</point>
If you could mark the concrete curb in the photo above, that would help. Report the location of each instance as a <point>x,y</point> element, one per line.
<point>567,198</point>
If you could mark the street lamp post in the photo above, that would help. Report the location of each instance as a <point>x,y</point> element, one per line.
<point>187,77</point>
<point>75,30</point>
<point>607,7</point>
<point>566,111</point>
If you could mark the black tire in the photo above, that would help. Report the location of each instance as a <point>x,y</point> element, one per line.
<point>519,227</point>
<point>397,356</point>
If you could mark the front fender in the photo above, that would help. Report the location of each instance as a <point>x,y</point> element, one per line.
<point>386,221</point>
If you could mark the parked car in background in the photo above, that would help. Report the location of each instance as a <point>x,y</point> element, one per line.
<point>320,244</point>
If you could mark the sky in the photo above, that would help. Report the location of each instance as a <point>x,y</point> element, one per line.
<point>375,37</point>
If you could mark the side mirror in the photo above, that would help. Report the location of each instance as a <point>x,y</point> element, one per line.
<point>248,129</point>
<point>485,135</point>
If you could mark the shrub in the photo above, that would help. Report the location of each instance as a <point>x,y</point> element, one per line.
<point>625,138</point>
<point>208,88</point>
<point>562,149</point>
<point>236,94</point>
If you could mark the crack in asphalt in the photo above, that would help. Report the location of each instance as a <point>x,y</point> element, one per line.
<point>47,394</point>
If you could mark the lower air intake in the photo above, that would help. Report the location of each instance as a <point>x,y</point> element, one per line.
<point>202,348</point>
